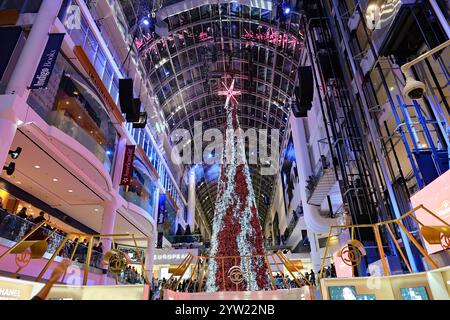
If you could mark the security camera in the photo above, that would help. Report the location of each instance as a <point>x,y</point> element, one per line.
<point>15,153</point>
<point>10,169</point>
<point>413,89</point>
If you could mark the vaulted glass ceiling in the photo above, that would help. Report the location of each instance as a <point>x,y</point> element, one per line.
<point>259,48</point>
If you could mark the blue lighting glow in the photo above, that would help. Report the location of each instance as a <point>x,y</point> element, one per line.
<point>213,172</point>
<point>287,10</point>
<point>146,22</point>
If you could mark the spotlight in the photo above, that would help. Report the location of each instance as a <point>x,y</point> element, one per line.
<point>16,153</point>
<point>287,10</point>
<point>146,22</point>
<point>10,169</point>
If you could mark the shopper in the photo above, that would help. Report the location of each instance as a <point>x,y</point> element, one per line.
<point>8,227</point>
<point>312,278</point>
<point>40,218</point>
<point>22,213</point>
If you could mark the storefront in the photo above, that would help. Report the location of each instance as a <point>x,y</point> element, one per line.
<point>166,261</point>
<point>14,200</point>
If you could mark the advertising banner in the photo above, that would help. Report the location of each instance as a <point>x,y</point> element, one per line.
<point>127,172</point>
<point>162,208</point>
<point>48,60</point>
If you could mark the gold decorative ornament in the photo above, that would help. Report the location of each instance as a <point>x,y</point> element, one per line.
<point>352,253</point>
<point>116,260</point>
<point>22,259</point>
<point>445,241</point>
<point>235,275</point>
<point>437,235</point>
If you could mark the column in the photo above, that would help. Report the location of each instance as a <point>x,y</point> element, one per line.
<point>316,261</point>
<point>156,205</point>
<point>110,206</point>
<point>150,254</point>
<point>311,213</point>
<point>191,200</point>
<point>34,46</point>
<point>24,72</point>
<point>152,241</point>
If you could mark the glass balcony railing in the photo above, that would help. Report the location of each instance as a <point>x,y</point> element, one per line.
<point>73,106</point>
<point>14,228</point>
<point>141,190</point>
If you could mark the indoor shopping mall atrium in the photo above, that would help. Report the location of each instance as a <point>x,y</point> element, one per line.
<point>224,150</point>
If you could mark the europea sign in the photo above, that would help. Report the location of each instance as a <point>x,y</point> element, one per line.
<point>48,60</point>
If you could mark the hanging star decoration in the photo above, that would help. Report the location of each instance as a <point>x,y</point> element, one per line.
<point>230,93</point>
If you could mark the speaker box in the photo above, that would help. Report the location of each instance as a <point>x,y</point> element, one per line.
<point>126,95</point>
<point>298,111</point>
<point>305,90</point>
<point>134,114</point>
<point>142,123</point>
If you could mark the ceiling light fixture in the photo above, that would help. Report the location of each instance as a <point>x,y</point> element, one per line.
<point>70,191</point>
<point>55,180</point>
<point>37,167</point>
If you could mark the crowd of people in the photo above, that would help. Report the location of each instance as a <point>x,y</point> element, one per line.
<point>131,276</point>
<point>16,225</point>
<point>329,271</point>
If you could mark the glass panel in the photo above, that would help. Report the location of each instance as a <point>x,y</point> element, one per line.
<point>141,191</point>
<point>73,106</point>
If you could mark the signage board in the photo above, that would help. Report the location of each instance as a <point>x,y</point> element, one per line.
<point>127,171</point>
<point>47,62</point>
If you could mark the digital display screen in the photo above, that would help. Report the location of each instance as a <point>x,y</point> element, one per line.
<point>342,293</point>
<point>365,297</point>
<point>417,293</point>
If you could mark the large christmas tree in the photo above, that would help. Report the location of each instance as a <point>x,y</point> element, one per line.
<point>237,235</point>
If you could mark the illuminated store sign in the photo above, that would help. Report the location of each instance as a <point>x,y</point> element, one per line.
<point>12,290</point>
<point>172,256</point>
<point>48,60</point>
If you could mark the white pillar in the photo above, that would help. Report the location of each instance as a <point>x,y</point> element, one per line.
<point>109,222</point>
<point>34,46</point>
<point>156,205</point>
<point>311,213</point>
<point>23,73</point>
<point>110,206</point>
<point>150,254</point>
<point>191,200</point>
<point>316,261</point>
